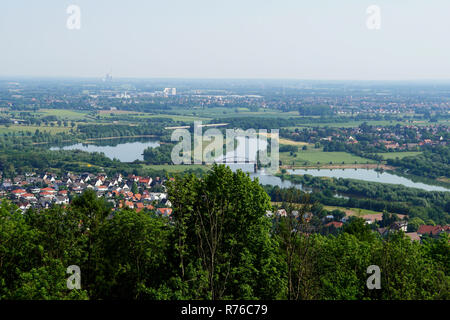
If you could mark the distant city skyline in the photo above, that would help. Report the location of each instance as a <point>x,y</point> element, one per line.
<point>211,39</point>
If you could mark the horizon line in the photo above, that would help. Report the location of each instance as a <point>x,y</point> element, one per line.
<point>99,78</point>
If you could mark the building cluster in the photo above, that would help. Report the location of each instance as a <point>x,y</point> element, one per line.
<point>330,221</point>
<point>428,231</point>
<point>400,137</point>
<point>170,91</point>
<point>42,191</point>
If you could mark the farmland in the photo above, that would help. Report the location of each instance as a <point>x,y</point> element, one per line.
<point>317,157</point>
<point>32,129</point>
<point>400,155</point>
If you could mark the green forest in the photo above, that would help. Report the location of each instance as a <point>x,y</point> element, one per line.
<point>217,244</point>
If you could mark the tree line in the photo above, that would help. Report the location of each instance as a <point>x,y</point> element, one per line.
<point>427,205</point>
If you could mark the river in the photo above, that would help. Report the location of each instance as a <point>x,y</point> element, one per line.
<point>131,149</point>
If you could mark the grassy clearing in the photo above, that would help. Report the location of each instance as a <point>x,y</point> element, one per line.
<point>177,117</point>
<point>118,112</point>
<point>288,141</point>
<point>359,212</point>
<point>32,129</point>
<point>293,143</point>
<point>400,155</point>
<point>138,116</point>
<point>222,112</point>
<point>353,211</point>
<point>63,114</point>
<point>314,157</point>
<point>348,211</point>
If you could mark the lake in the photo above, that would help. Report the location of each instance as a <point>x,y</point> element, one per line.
<point>131,149</point>
<point>125,150</point>
<point>370,175</point>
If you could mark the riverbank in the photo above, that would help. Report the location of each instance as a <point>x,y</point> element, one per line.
<point>121,137</point>
<point>342,166</point>
<point>362,175</point>
<point>95,139</point>
<point>443,182</point>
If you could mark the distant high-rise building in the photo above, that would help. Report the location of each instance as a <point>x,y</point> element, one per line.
<point>107,78</point>
<point>170,91</point>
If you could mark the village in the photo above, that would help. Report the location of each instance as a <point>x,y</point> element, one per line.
<point>42,191</point>
<point>145,193</point>
<point>330,223</point>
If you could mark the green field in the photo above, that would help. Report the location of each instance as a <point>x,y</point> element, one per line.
<point>289,142</point>
<point>400,155</point>
<point>223,112</point>
<point>357,211</point>
<point>138,116</point>
<point>176,117</point>
<point>314,157</point>
<point>64,114</point>
<point>32,129</point>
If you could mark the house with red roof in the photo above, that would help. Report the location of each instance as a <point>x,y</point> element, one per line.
<point>139,205</point>
<point>129,204</point>
<point>335,224</point>
<point>433,231</point>
<point>145,181</point>
<point>101,188</point>
<point>18,192</point>
<point>28,196</point>
<point>165,212</point>
<point>46,195</point>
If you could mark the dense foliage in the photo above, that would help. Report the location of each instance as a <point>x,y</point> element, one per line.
<point>413,202</point>
<point>218,244</point>
<point>433,163</point>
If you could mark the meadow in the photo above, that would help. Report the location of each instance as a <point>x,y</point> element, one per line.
<point>352,211</point>
<point>64,114</point>
<point>400,155</point>
<point>317,157</point>
<point>32,129</point>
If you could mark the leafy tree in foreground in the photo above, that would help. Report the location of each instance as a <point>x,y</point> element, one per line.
<point>222,231</point>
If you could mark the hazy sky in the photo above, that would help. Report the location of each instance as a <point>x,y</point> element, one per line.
<point>314,39</point>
